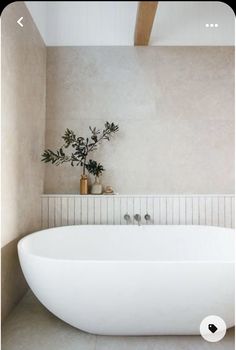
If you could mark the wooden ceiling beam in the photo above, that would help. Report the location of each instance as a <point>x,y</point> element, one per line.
<point>144,22</point>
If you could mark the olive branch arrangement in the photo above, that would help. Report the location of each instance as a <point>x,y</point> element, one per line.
<point>82,147</point>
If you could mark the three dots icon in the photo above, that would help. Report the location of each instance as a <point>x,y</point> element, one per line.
<point>211,25</point>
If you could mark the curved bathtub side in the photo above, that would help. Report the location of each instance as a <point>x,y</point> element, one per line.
<point>132,298</point>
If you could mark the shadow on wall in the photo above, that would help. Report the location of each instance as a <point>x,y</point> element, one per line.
<point>13,282</point>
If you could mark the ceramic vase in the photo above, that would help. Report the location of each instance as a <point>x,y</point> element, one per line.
<point>96,186</point>
<point>84,184</point>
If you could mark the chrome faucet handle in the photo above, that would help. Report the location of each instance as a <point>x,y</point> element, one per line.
<point>137,218</point>
<point>147,217</point>
<point>127,218</point>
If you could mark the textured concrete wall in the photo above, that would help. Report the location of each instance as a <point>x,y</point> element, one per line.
<point>23,135</point>
<point>174,106</point>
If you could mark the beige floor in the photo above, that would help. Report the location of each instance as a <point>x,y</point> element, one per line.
<point>31,327</point>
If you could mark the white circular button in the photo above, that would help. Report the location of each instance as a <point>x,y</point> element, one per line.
<point>213,328</point>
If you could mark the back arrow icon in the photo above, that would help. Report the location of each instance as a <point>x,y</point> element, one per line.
<point>19,22</point>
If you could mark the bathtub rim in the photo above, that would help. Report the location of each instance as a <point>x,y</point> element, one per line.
<point>20,248</point>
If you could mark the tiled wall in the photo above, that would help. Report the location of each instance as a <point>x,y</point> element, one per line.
<point>214,210</point>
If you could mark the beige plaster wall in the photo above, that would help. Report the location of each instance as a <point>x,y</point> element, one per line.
<point>174,106</point>
<point>23,139</point>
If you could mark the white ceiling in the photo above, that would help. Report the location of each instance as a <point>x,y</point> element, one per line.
<point>78,23</point>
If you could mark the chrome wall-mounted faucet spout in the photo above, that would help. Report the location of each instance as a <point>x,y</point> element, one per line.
<point>137,218</point>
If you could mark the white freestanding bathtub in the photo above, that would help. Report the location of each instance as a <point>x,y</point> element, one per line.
<point>132,280</point>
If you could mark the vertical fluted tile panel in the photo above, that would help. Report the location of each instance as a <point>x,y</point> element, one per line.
<point>213,210</point>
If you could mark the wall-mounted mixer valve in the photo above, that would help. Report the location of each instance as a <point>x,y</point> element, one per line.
<point>127,218</point>
<point>147,217</point>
